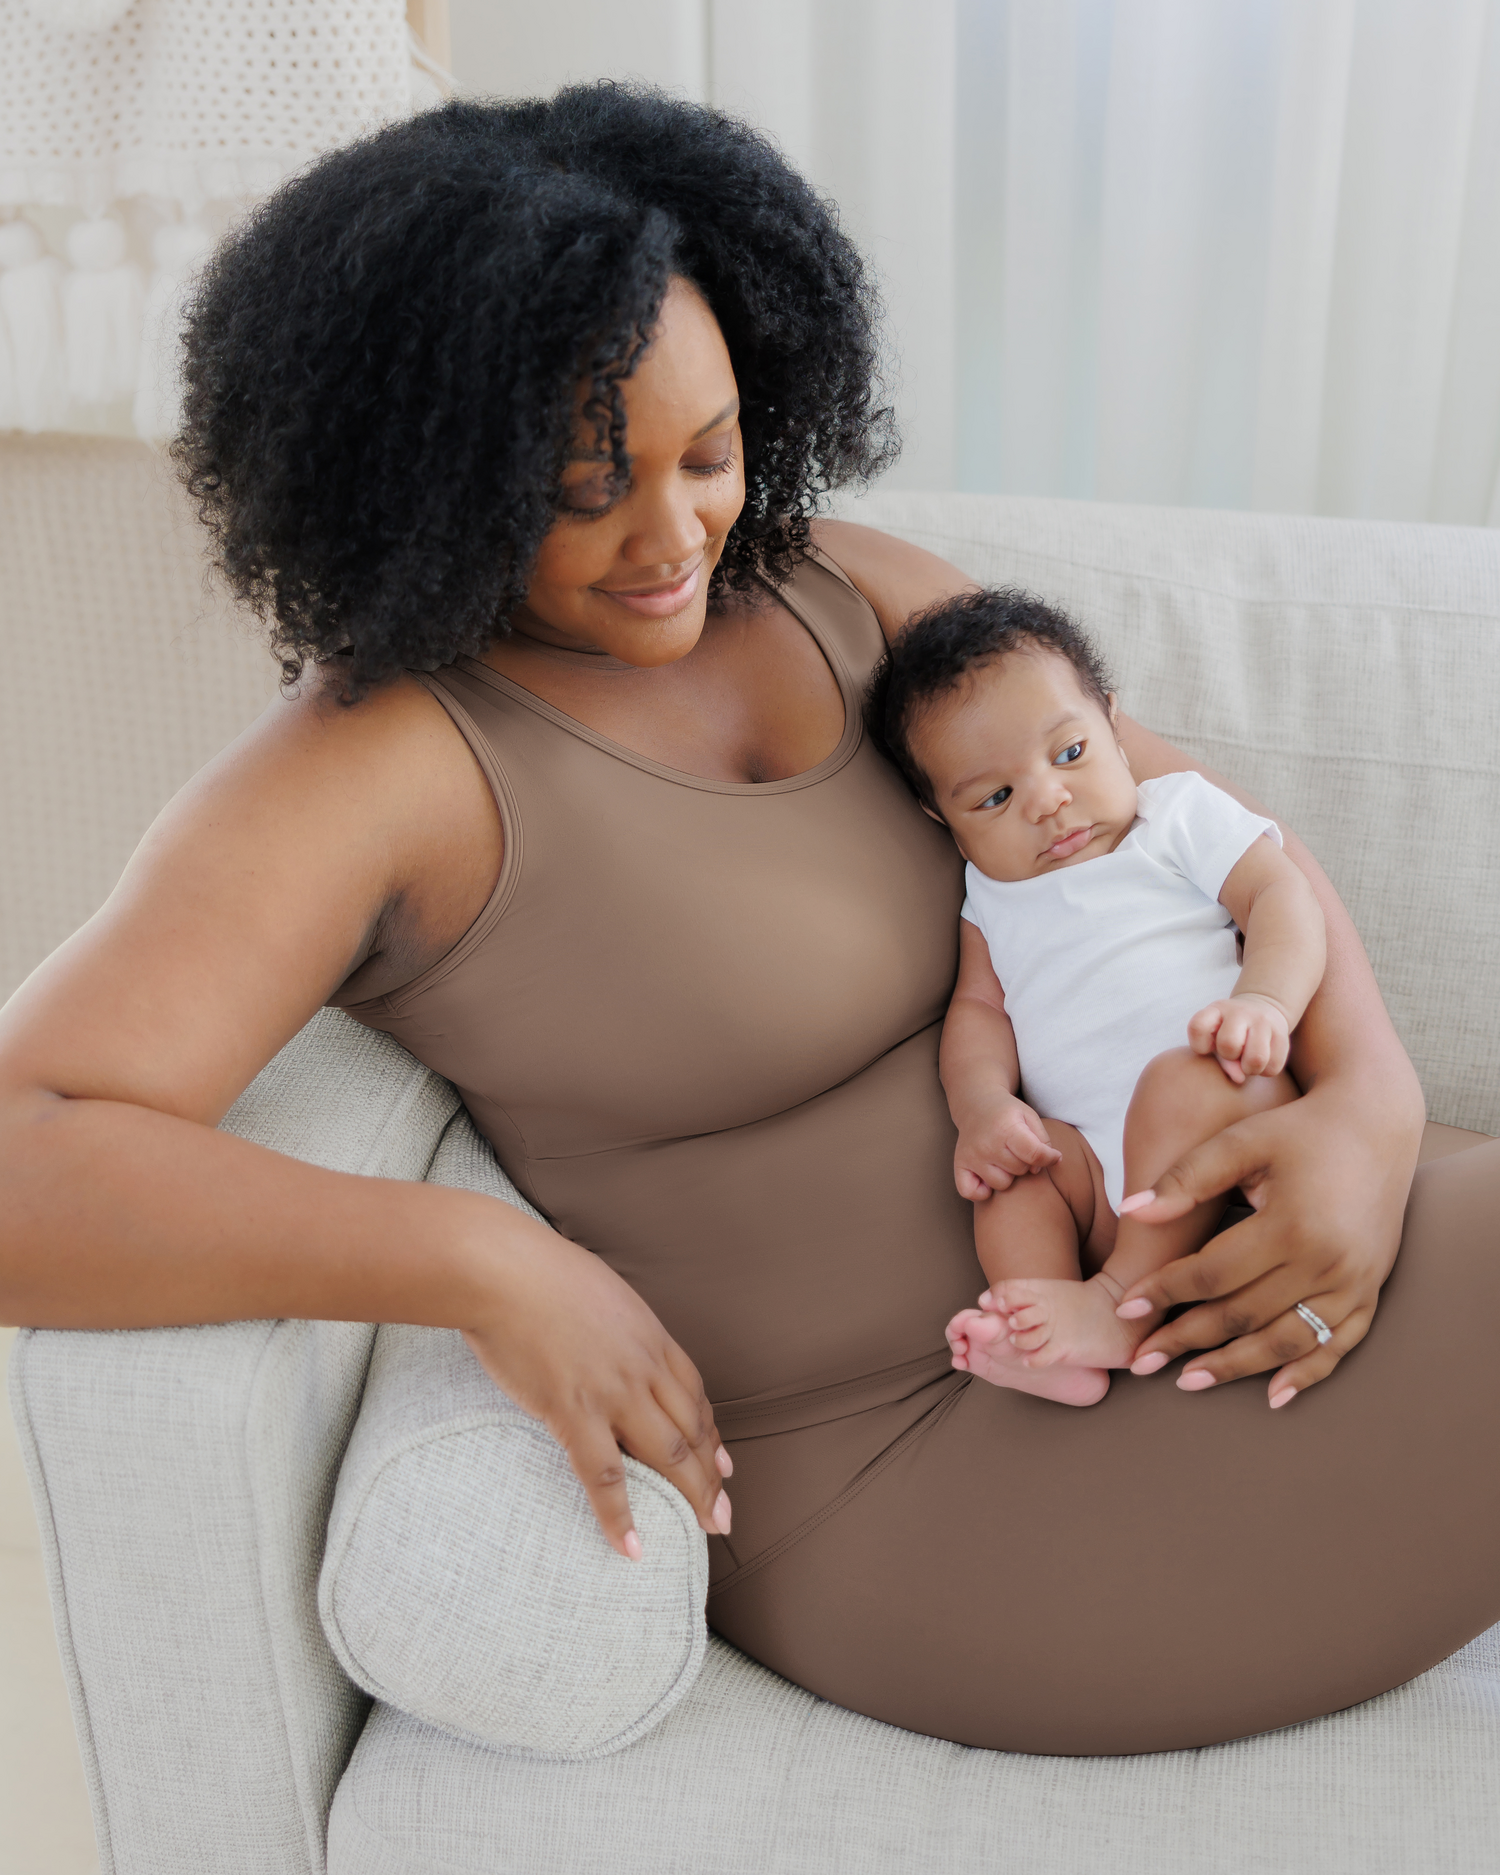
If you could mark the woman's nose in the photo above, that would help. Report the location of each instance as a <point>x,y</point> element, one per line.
<point>668,533</point>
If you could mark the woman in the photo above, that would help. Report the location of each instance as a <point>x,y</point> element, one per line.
<point>513,418</point>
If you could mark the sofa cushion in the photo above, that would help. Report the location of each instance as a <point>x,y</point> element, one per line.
<point>465,1579</point>
<point>752,1776</point>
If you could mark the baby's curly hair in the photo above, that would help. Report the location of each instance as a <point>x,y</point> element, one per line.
<point>937,648</point>
<point>381,365</point>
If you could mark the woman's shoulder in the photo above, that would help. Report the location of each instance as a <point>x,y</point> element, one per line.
<point>895,576</point>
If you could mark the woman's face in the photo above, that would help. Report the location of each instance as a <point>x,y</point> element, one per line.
<point>627,573</point>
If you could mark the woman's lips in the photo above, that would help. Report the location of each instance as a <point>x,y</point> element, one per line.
<point>658,601</point>
<point>1070,843</point>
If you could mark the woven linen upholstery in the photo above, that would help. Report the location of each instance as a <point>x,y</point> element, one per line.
<point>1343,671</point>
<point>752,1776</point>
<point>466,1580</point>
<point>183,1479</point>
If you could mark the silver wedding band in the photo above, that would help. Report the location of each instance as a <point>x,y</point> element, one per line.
<point>1316,1323</point>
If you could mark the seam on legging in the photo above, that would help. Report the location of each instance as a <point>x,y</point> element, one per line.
<point>729,1415</point>
<point>850,1491</point>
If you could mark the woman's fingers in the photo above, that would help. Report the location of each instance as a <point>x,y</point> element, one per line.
<point>1288,1344</point>
<point>599,1468</point>
<point>687,1407</point>
<point>1319,1362</point>
<point>1234,1157</point>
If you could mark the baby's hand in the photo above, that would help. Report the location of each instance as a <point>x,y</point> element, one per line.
<point>1249,1034</point>
<point>1007,1143</point>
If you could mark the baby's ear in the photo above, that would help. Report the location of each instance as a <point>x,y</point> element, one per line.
<point>932,813</point>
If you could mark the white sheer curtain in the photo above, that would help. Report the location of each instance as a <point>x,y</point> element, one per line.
<point>1233,252</point>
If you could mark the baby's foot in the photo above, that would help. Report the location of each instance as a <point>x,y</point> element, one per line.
<point>1056,1322</point>
<point>980,1340</point>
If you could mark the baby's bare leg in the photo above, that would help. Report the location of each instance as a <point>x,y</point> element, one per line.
<point>1036,1225</point>
<point>1180,1100</point>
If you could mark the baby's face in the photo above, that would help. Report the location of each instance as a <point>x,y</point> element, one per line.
<point>1026,768</point>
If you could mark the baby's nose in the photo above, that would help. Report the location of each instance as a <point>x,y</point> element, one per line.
<point>1049,797</point>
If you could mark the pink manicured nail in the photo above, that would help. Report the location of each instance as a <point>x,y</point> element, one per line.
<point>1280,1399</point>
<point>724,1462</point>
<point>1150,1364</point>
<point>1133,1311</point>
<point>1137,1201</point>
<point>721,1514</point>
<point>1196,1381</point>
<point>632,1546</point>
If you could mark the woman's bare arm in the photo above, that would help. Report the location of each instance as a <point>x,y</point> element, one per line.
<point>250,900</point>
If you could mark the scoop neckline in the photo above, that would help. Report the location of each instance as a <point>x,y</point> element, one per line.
<point>847,743</point>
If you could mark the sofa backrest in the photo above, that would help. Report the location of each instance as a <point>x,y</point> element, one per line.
<point>1346,672</point>
<point>124,673</point>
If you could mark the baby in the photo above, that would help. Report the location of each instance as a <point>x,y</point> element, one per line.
<point>1098,936</point>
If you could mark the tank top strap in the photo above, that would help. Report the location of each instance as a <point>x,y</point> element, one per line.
<point>822,595</point>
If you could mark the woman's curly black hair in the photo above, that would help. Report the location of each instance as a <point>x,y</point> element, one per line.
<point>381,365</point>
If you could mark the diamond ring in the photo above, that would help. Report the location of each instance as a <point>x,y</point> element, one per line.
<point>1316,1323</point>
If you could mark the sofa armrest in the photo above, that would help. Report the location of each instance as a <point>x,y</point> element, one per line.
<point>182,1479</point>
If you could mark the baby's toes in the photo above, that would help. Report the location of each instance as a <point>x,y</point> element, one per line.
<point>1033,1315</point>
<point>1028,1340</point>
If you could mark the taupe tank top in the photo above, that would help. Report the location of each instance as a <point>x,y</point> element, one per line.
<point>698,1022</point>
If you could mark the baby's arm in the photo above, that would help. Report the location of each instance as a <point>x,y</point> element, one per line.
<point>999,1136</point>
<point>1273,905</point>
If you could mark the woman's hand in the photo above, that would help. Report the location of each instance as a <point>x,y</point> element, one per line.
<point>1328,1176</point>
<point>1001,1141</point>
<point>573,1345</point>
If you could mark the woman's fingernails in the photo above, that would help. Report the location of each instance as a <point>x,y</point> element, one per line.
<point>721,1514</point>
<point>1280,1399</point>
<point>1133,1311</point>
<point>724,1462</point>
<point>1196,1381</point>
<point>632,1546</point>
<point>1137,1201</point>
<point>1149,1364</point>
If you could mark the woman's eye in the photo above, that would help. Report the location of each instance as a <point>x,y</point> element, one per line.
<point>720,465</point>
<point>997,799</point>
<point>589,499</point>
<point>1069,754</point>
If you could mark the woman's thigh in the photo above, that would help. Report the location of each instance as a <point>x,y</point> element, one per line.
<point>1171,1569</point>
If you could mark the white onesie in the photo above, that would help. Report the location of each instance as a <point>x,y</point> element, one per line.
<point>1103,964</point>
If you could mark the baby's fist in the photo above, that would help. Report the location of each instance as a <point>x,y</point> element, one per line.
<point>1003,1144</point>
<point>1249,1034</point>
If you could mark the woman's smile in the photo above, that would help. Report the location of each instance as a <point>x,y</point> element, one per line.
<point>662,599</point>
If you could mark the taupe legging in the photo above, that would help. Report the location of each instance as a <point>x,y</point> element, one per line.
<point>698,1020</point>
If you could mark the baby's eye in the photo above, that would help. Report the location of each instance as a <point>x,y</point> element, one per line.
<point>997,799</point>
<point>1069,754</point>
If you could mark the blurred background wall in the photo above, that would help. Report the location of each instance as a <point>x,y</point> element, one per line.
<point>1240,253</point>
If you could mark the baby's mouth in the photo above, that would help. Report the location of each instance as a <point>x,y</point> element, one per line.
<point>1070,843</point>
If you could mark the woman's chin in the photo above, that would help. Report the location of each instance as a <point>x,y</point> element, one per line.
<point>650,643</point>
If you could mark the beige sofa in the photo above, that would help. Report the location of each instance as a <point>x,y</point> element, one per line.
<point>326,1599</point>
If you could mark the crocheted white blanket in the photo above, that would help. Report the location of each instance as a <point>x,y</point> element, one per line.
<point>191,100</point>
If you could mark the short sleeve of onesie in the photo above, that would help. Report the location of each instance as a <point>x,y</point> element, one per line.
<point>1197,829</point>
<point>1190,825</point>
